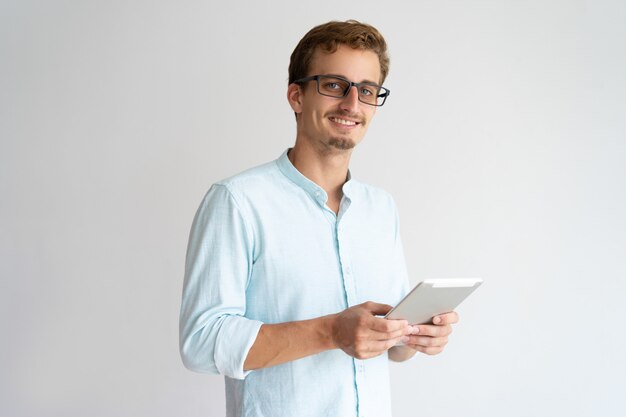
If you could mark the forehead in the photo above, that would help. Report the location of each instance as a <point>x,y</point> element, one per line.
<point>354,64</point>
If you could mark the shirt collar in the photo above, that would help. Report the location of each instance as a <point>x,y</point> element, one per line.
<point>314,190</point>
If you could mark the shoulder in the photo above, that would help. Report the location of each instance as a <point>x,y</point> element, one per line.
<point>252,177</point>
<point>258,180</point>
<point>250,190</point>
<point>239,194</point>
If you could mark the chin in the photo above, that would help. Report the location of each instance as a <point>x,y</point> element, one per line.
<point>341,143</point>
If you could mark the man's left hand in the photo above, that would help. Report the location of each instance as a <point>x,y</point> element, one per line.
<point>431,338</point>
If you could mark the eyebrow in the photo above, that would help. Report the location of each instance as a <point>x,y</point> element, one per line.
<point>360,82</point>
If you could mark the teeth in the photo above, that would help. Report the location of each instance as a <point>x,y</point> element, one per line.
<point>343,121</point>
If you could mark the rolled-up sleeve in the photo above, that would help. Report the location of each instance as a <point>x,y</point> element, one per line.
<point>215,335</point>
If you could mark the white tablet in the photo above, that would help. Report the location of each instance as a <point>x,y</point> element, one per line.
<point>432,297</point>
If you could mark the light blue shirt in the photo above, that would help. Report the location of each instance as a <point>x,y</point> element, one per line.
<point>265,248</point>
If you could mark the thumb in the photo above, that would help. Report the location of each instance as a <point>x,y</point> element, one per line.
<point>376,309</point>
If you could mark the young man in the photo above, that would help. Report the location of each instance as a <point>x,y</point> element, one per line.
<point>290,263</point>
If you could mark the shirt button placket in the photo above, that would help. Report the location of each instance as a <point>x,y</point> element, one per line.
<point>351,297</point>
<point>346,272</point>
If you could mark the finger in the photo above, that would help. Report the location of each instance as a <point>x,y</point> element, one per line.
<point>396,334</point>
<point>376,309</point>
<point>375,348</point>
<point>378,329</point>
<point>383,329</point>
<point>425,341</point>
<point>446,318</point>
<point>385,325</point>
<point>429,350</point>
<point>414,329</point>
<point>378,347</point>
<point>434,330</point>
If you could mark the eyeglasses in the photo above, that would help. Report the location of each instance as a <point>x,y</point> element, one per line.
<point>338,87</point>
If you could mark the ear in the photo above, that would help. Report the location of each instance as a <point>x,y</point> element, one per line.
<point>294,96</point>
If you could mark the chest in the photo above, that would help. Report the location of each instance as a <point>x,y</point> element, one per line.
<point>307,263</point>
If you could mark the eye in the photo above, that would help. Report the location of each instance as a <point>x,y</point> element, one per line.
<point>367,91</point>
<point>332,86</point>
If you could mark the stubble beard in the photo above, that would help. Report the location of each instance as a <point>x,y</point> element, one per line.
<point>340,143</point>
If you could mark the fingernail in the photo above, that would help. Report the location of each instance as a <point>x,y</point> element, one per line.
<point>437,320</point>
<point>405,339</point>
<point>415,329</point>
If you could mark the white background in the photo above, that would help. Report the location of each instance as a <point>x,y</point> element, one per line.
<point>503,142</point>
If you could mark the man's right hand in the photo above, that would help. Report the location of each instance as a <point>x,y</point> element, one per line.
<point>358,332</point>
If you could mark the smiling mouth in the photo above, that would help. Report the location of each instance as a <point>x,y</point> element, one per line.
<point>344,122</point>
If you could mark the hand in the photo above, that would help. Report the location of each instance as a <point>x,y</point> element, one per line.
<point>361,335</point>
<point>432,338</point>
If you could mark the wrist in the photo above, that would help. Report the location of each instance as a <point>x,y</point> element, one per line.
<point>327,324</point>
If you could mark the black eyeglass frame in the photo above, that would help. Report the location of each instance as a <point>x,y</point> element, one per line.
<point>384,95</point>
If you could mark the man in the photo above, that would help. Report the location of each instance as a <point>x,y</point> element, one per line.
<point>285,260</point>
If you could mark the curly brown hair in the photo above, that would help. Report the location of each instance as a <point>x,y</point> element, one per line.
<point>329,36</point>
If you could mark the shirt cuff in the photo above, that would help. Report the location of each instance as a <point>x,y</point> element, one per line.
<point>236,336</point>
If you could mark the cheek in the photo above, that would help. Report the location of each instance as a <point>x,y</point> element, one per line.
<point>317,117</point>
<point>311,121</point>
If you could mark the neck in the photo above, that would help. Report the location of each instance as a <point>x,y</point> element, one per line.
<point>328,169</point>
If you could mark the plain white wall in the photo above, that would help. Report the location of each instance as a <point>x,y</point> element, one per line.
<point>503,141</point>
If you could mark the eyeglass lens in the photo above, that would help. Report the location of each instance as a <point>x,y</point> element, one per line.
<point>337,87</point>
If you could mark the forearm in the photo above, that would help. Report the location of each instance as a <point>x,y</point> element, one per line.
<point>401,353</point>
<point>285,342</point>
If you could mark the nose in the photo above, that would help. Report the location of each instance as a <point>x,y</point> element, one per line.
<point>350,102</point>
